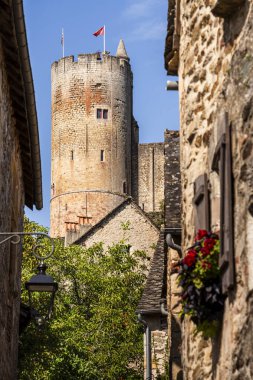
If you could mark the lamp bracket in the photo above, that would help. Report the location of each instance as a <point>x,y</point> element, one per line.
<point>15,238</point>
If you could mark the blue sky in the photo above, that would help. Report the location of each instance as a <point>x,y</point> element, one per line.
<point>142,26</point>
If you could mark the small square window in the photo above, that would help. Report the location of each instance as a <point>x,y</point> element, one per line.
<point>99,113</point>
<point>105,114</point>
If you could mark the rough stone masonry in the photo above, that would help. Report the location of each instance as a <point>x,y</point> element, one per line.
<point>216,86</point>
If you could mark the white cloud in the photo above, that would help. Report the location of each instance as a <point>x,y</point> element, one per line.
<point>141,8</point>
<point>148,30</point>
<point>145,19</point>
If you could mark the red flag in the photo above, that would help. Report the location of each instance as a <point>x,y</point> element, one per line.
<point>99,32</point>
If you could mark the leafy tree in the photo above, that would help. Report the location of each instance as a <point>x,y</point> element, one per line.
<point>93,333</point>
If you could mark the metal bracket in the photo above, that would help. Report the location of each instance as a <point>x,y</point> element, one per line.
<point>15,238</point>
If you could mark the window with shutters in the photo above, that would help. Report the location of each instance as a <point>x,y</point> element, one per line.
<point>222,164</point>
<point>201,203</point>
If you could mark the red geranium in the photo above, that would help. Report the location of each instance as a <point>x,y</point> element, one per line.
<point>201,234</point>
<point>205,251</point>
<point>190,258</point>
<point>209,243</point>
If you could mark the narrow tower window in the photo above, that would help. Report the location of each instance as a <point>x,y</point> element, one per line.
<point>102,155</point>
<point>72,155</point>
<point>124,187</point>
<point>99,113</point>
<point>102,113</point>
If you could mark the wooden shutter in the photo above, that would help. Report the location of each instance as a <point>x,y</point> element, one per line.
<point>222,164</point>
<point>201,203</point>
<point>225,8</point>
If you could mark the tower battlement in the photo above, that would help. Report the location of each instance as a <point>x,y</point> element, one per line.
<point>90,61</point>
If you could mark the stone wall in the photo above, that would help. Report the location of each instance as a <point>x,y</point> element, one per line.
<point>159,342</point>
<point>151,177</point>
<point>172,185</point>
<point>215,77</point>
<point>89,153</point>
<point>130,224</point>
<point>78,208</point>
<point>172,196</point>
<point>11,219</point>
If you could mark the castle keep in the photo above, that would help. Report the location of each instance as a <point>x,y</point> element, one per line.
<point>95,143</point>
<point>93,135</point>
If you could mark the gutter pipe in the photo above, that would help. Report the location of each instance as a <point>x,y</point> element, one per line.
<point>163,310</point>
<point>171,244</point>
<point>148,348</point>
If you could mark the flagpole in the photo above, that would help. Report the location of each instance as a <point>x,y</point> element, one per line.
<point>62,33</point>
<point>104,39</point>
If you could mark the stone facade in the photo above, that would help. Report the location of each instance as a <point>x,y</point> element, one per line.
<point>11,219</point>
<point>172,196</point>
<point>172,177</point>
<point>151,177</point>
<point>128,223</point>
<point>92,136</point>
<point>165,345</point>
<point>20,175</point>
<point>215,85</point>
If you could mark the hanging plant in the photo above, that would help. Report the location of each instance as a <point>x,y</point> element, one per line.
<point>199,277</point>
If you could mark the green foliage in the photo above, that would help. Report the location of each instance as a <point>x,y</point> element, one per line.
<point>125,225</point>
<point>208,329</point>
<point>93,333</point>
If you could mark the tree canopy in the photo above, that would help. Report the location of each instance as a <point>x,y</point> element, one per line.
<point>93,333</point>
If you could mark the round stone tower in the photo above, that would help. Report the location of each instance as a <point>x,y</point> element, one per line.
<point>92,134</point>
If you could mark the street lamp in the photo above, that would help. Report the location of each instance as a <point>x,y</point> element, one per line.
<point>40,282</point>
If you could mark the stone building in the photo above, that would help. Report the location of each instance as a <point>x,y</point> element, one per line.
<point>96,157</point>
<point>151,177</point>
<point>20,171</point>
<point>127,222</point>
<point>209,46</point>
<point>162,333</point>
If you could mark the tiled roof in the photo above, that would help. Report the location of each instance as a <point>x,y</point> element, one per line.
<point>155,285</point>
<point>20,83</point>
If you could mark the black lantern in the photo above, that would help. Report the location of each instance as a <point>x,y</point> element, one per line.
<point>41,282</point>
